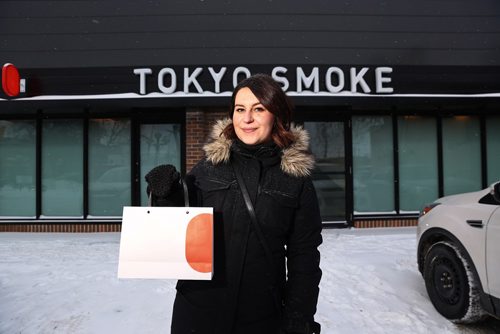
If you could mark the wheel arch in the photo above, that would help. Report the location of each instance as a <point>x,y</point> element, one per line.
<point>436,234</point>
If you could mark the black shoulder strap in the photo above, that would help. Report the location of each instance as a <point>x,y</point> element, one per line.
<point>253,218</point>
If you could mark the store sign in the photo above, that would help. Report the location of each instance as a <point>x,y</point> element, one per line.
<point>203,80</point>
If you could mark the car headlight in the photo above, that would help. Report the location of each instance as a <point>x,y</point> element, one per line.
<point>427,208</point>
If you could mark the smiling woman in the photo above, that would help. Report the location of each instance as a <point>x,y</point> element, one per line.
<point>256,176</point>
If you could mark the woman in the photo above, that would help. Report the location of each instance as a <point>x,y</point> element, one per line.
<point>251,291</point>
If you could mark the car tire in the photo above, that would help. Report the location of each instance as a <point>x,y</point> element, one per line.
<point>451,284</point>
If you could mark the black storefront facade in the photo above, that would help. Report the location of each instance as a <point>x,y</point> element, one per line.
<point>402,102</point>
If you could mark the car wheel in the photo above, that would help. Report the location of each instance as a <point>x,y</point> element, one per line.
<point>451,285</point>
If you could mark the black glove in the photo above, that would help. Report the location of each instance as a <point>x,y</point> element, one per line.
<point>164,186</point>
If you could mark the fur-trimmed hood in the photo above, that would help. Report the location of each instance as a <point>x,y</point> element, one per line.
<point>296,160</point>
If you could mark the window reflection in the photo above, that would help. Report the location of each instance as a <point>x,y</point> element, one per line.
<point>461,154</point>
<point>160,144</point>
<point>109,166</point>
<point>327,145</point>
<point>373,164</point>
<point>62,167</point>
<point>418,167</point>
<point>17,168</point>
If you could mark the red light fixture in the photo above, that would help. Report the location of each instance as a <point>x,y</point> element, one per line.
<point>11,81</point>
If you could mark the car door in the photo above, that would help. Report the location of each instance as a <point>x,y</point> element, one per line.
<point>493,253</point>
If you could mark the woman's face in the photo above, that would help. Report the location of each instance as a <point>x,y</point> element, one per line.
<point>252,122</point>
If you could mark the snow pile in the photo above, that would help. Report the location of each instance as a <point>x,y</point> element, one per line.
<point>66,283</point>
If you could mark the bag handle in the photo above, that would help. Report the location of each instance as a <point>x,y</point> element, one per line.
<point>186,193</point>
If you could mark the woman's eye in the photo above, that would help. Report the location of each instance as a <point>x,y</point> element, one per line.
<point>259,109</point>
<point>239,110</point>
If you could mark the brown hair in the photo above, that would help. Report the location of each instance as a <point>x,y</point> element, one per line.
<point>270,94</point>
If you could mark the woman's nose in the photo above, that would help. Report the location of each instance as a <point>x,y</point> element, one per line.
<point>248,116</point>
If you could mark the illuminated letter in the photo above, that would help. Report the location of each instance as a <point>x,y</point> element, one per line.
<point>142,72</point>
<point>217,77</point>
<point>237,71</point>
<point>191,79</point>
<point>281,80</point>
<point>173,80</point>
<point>358,78</point>
<point>380,79</point>
<point>340,78</point>
<point>308,81</point>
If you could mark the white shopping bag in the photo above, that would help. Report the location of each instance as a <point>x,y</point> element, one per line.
<point>166,242</point>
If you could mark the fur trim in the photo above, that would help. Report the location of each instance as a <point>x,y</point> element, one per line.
<point>296,159</point>
<point>218,148</point>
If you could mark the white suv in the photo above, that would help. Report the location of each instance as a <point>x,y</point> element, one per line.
<point>459,254</point>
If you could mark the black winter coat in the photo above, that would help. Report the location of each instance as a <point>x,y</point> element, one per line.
<point>246,294</point>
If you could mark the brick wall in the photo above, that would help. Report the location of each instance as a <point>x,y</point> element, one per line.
<point>116,227</point>
<point>61,227</point>
<point>195,137</point>
<point>198,125</point>
<point>385,223</point>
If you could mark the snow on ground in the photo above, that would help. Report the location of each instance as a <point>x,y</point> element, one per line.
<point>66,283</point>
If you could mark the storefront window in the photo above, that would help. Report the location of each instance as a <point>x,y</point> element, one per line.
<point>62,168</point>
<point>418,167</point>
<point>461,154</point>
<point>327,145</point>
<point>109,166</point>
<point>493,148</point>
<point>17,168</point>
<point>160,144</point>
<point>373,163</point>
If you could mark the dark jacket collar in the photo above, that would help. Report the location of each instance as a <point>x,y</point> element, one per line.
<point>296,160</point>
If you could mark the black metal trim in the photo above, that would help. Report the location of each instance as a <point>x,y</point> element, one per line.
<point>395,157</point>
<point>86,164</point>
<point>349,179</point>
<point>439,129</point>
<point>484,151</point>
<point>38,163</point>
<point>183,138</point>
<point>135,157</point>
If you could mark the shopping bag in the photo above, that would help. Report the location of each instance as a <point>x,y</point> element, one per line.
<point>166,242</point>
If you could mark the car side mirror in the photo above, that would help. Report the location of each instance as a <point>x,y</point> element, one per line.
<point>496,192</point>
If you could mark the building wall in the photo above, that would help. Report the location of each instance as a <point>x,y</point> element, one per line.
<point>84,48</point>
<point>96,34</point>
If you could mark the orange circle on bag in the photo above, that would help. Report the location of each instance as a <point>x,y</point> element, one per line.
<point>199,242</point>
